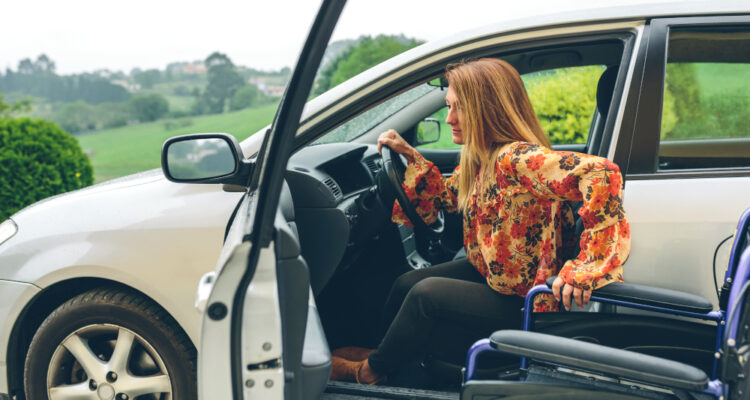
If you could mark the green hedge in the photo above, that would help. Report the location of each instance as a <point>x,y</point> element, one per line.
<point>707,100</point>
<point>38,160</point>
<point>565,101</point>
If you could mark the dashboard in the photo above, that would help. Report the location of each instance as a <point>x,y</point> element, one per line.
<point>336,204</point>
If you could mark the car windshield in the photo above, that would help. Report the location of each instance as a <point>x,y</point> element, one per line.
<point>367,120</point>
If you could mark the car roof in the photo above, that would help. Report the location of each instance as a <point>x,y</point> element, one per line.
<point>607,14</point>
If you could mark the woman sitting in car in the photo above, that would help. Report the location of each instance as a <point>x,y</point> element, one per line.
<point>511,189</point>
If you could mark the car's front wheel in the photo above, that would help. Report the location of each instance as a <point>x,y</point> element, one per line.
<point>110,344</point>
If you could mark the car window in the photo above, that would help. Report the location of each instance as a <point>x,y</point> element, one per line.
<point>362,123</point>
<point>705,119</point>
<point>446,136</point>
<point>564,100</point>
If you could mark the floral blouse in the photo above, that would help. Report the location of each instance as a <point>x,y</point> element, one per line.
<point>519,231</point>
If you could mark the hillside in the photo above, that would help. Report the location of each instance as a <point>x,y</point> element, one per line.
<point>130,149</point>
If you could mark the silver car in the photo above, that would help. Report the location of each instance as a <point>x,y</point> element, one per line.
<point>98,286</point>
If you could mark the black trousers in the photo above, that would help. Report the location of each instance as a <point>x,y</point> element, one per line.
<point>452,296</point>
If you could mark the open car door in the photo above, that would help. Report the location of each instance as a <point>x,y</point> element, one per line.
<point>256,315</point>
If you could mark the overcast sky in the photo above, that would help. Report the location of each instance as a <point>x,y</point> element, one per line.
<point>86,35</point>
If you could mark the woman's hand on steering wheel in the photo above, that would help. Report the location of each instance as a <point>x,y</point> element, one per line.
<point>392,139</point>
<point>392,147</point>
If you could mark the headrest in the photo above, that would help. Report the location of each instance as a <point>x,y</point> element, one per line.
<point>605,89</point>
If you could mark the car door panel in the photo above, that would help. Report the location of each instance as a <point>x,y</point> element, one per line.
<point>306,357</point>
<point>245,322</point>
<point>676,225</point>
<point>679,217</point>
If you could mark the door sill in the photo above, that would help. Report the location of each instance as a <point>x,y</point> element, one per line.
<point>356,391</point>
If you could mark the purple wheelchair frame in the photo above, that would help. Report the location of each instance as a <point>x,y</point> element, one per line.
<point>738,273</point>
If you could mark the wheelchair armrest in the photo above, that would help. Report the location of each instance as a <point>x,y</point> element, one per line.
<point>651,296</point>
<point>594,357</point>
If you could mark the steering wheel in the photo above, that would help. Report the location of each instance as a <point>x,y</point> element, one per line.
<point>429,243</point>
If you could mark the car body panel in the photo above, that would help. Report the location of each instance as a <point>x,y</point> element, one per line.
<point>13,299</point>
<point>654,229</point>
<point>92,233</point>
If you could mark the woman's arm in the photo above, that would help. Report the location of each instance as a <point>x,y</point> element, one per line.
<point>427,190</point>
<point>562,175</point>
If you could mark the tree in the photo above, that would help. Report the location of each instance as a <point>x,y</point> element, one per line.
<point>147,79</point>
<point>247,96</point>
<point>150,107</point>
<point>76,117</point>
<point>44,64</point>
<point>25,67</point>
<point>38,79</point>
<point>223,82</point>
<point>367,53</point>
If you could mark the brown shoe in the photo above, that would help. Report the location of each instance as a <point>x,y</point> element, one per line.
<point>344,370</point>
<point>352,371</point>
<point>365,375</point>
<point>352,353</point>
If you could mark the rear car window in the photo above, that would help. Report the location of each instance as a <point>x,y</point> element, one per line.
<point>706,108</point>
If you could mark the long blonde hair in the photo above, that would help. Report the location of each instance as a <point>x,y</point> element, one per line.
<point>495,110</point>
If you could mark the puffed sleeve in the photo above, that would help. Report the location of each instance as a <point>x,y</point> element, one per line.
<point>428,191</point>
<point>565,175</point>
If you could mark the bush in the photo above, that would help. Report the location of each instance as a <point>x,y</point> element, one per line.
<point>716,116</point>
<point>180,113</point>
<point>181,90</point>
<point>171,124</point>
<point>38,160</point>
<point>76,117</point>
<point>149,107</point>
<point>682,84</point>
<point>247,96</point>
<point>564,101</point>
<point>81,117</point>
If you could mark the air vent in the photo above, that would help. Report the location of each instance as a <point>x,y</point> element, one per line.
<point>335,190</point>
<point>373,166</point>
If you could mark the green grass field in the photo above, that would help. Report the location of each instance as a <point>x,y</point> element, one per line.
<point>130,149</point>
<point>719,79</point>
<point>180,103</point>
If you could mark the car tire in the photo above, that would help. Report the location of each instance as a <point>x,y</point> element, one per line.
<point>114,343</point>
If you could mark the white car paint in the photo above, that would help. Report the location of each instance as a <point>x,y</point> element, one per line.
<point>161,237</point>
<point>676,224</point>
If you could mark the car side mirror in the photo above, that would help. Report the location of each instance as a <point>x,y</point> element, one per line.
<point>440,82</point>
<point>428,131</point>
<point>205,158</point>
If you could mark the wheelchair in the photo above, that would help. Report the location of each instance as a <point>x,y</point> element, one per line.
<point>554,367</point>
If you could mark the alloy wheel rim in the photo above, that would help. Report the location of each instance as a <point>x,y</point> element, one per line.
<point>107,362</point>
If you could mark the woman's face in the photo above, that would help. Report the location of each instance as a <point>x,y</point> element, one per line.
<point>454,116</point>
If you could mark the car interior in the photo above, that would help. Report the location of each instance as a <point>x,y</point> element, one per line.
<point>337,202</point>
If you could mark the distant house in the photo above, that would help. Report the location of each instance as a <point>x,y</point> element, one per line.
<point>192,69</point>
<point>274,90</point>
<point>260,82</point>
<point>268,89</point>
<point>130,87</point>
